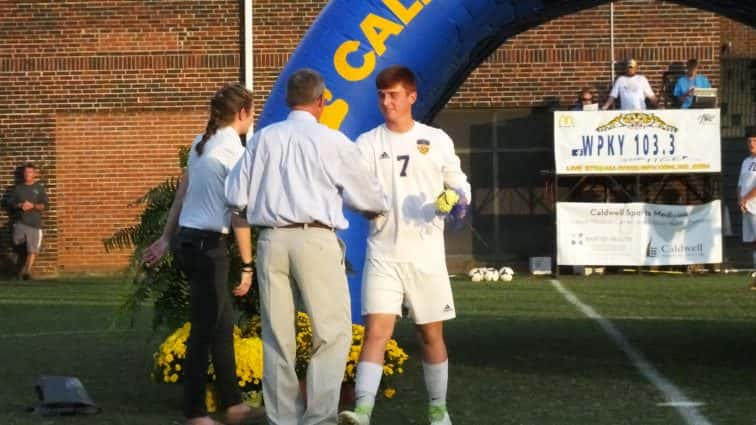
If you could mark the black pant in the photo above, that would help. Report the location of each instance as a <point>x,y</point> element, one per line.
<point>205,260</point>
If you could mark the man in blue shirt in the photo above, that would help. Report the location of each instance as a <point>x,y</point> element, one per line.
<point>688,82</point>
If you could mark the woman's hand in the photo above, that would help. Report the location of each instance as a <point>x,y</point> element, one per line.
<point>153,253</point>
<point>243,287</point>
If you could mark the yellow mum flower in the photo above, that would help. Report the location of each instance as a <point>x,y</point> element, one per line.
<point>389,392</point>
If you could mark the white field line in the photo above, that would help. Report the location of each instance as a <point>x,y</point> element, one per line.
<point>673,396</point>
<point>63,333</point>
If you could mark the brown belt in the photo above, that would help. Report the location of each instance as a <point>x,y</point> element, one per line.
<point>305,226</point>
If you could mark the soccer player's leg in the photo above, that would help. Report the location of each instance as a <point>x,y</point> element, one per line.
<point>382,296</point>
<point>430,301</point>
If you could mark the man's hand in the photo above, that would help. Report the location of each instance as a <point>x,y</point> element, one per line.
<point>153,253</point>
<point>243,287</point>
<point>742,205</point>
<point>26,206</point>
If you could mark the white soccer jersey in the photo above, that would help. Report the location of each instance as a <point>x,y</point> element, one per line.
<point>747,181</point>
<point>413,169</point>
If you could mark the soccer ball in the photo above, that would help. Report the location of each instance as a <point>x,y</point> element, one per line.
<point>477,276</point>
<point>506,277</point>
<point>492,275</point>
<point>473,271</point>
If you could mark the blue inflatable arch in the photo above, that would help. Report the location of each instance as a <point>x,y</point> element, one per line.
<point>443,41</point>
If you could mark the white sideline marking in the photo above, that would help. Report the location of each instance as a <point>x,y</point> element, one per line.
<point>63,333</point>
<point>673,396</point>
<point>682,403</point>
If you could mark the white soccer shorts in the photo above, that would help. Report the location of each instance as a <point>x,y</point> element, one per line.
<point>388,286</point>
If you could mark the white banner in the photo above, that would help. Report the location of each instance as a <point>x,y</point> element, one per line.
<point>637,142</point>
<point>638,234</point>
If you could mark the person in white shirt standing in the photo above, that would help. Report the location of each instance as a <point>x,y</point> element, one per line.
<point>632,89</point>
<point>201,247</point>
<point>293,179</point>
<point>405,260</point>
<point>747,195</point>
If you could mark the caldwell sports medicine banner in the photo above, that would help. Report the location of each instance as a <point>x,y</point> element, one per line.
<point>637,142</point>
<point>638,234</point>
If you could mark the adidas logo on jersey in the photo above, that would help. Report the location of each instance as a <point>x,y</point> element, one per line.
<point>384,155</point>
<point>448,309</point>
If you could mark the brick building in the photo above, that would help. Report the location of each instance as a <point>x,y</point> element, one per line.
<point>102,93</point>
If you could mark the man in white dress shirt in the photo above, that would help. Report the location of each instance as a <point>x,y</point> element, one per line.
<point>747,195</point>
<point>632,89</point>
<point>405,263</point>
<point>293,179</point>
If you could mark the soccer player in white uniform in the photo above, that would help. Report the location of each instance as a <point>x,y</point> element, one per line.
<point>405,262</point>
<point>747,194</point>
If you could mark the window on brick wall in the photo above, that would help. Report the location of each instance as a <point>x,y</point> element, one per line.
<point>503,152</point>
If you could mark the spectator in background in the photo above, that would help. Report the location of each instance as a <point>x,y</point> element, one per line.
<point>28,199</point>
<point>686,85</point>
<point>585,97</point>
<point>747,195</point>
<point>632,90</point>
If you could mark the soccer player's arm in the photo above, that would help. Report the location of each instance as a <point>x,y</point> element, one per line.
<point>454,177</point>
<point>358,182</point>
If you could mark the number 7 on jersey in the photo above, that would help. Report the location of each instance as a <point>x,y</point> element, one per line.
<point>405,159</point>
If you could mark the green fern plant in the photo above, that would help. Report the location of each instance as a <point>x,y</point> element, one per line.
<point>165,284</point>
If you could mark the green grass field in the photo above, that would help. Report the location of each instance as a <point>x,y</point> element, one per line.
<point>520,353</point>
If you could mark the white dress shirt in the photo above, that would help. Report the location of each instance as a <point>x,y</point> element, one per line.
<point>205,206</point>
<point>747,181</point>
<point>413,168</point>
<point>300,171</point>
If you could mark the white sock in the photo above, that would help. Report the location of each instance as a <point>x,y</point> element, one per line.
<point>436,379</point>
<point>367,382</point>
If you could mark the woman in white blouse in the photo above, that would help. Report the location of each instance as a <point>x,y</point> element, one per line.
<point>201,245</point>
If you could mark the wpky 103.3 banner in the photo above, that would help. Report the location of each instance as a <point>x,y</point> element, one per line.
<point>637,142</point>
<point>638,234</point>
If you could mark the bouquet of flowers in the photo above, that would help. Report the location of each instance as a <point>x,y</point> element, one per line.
<point>170,357</point>
<point>394,358</point>
<point>169,362</point>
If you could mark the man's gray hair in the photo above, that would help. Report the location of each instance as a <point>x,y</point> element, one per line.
<point>303,87</point>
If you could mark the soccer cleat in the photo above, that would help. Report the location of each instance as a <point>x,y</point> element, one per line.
<point>438,415</point>
<point>360,416</point>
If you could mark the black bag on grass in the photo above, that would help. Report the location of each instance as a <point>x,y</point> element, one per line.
<point>62,395</point>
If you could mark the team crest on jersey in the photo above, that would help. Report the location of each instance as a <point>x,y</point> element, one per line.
<point>423,146</point>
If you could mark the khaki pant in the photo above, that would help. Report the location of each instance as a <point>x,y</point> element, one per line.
<point>308,263</point>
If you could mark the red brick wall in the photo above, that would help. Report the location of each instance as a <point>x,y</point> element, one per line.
<point>738,40</point>
<point>102,92</point>
<point>551,62</point>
